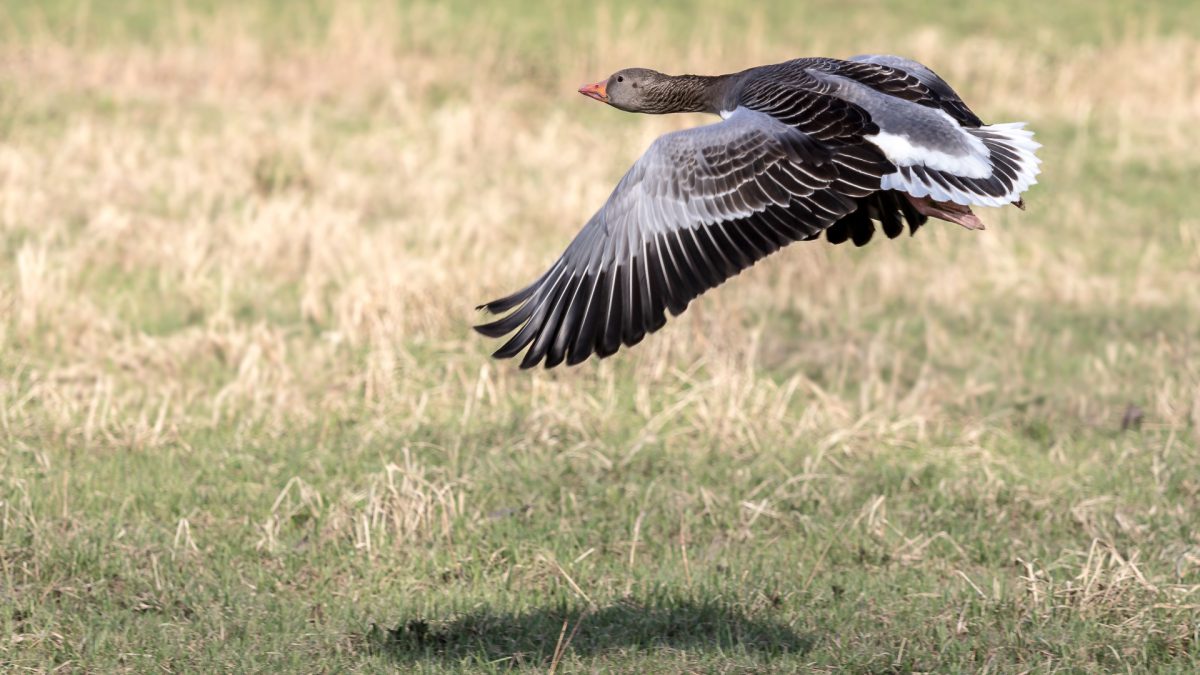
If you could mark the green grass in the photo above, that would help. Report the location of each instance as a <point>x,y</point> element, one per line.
<point>244,425</point>
<point>871,561</point>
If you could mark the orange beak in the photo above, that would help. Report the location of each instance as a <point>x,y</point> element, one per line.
<point>597,91</point>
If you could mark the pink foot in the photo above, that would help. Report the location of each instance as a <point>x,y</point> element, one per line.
<point>949,211</point>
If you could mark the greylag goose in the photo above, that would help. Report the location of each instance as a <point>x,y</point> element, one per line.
<point>808,146</point>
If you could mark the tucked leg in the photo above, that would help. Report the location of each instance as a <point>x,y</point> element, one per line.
<point>949,211</point>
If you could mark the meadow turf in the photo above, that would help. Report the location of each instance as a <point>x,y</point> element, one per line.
<point>245,426</point>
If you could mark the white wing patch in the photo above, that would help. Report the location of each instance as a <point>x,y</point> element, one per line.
<point>1009,144</point>
<point>903,152</point>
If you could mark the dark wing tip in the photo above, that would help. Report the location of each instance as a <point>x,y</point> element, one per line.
<point>508,323</point>
<point>493,329</point>
<point>578,316</point>
<point>545,318</point>
<point>500,305</point>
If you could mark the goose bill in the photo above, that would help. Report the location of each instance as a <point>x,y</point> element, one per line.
<point>597,91</point>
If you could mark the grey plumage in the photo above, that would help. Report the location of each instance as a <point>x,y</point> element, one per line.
<point>804,149</point>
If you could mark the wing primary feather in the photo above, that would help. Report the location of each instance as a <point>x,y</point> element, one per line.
<point>686,272</point>
<point>677,284</point>
<point>637,311</point>
<point>586,335</point>
<point>727,267</point>
<point>608,341</point>
<point>509,301</point>
<point>659,290</point>
<point>740,253</point>
<point>788,223</point>
<point>550,326</point>
<point>508,323</point>
<point>564,334</point>
<point>709,272</point>
<point>760,247</point>
<point>770,227</point>
<point>574,313</point>
<point>544,301</point>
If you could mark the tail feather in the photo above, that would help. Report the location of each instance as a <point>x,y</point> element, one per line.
<point>1013,160</point>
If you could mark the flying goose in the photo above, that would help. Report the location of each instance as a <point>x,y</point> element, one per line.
<point>808,146</point>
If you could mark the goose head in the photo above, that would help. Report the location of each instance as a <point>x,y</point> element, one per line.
<point>633,90</point>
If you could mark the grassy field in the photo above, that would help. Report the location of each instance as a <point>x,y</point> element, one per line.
<point>245,425</point>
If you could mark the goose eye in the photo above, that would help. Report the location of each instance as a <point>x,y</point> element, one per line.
<point>620,78</point>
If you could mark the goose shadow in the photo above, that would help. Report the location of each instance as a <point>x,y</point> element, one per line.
<point>531,637</point>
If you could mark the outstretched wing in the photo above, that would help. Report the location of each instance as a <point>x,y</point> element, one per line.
<point>698,207</point>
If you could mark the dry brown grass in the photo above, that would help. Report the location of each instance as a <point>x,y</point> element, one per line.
<point>386,236</point>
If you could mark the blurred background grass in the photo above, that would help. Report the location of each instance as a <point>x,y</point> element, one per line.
<point>554,25</point>
<point>244,423</point>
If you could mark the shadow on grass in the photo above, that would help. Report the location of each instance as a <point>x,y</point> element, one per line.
<point>531,637</point>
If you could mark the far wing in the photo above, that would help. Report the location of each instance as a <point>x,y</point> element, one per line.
<point>897,75</point>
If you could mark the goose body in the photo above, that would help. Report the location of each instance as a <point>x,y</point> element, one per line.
<point>807,146</point>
